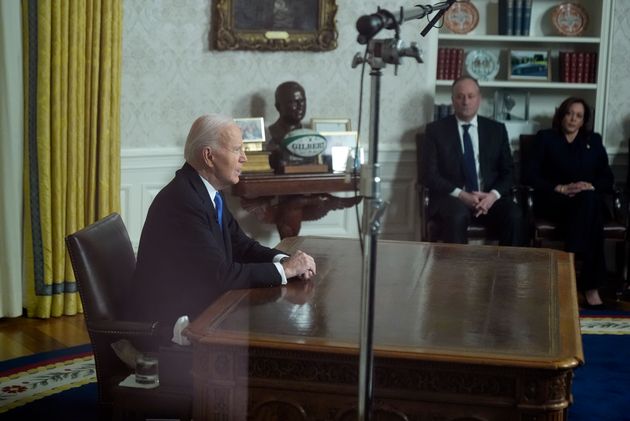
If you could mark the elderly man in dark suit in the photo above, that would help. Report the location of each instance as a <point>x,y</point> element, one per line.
<point>192,249</point>
<point>467,166</point>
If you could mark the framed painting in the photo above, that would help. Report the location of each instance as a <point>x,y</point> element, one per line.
<point>529,65</point>
<point>275,25</point>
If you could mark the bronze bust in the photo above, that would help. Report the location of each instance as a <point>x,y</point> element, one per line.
<point>291,105</point>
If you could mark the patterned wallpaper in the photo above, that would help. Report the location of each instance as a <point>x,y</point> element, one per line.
<point>618,105</point>
<point>170,76</point>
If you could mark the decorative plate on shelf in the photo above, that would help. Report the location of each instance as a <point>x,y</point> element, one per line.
<point>482,65</point>
<point>462,17</point>
<point>569,19</point>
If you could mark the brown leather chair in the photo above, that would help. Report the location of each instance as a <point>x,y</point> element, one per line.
<point>543,230</point>
<point>103,262</point>
<point>430,229</point>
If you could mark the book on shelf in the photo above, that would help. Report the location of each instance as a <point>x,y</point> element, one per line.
<point>449,64</point>
<point>564,66</point>
<point>517,16</point>
<point>441,111</point>
<point>506,17</point>
<point>441,63</point>
<point>526,17</point>
<point>592,67</point>
<point>579,68</point>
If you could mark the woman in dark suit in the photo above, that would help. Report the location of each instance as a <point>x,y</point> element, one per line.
<point>569,172</point>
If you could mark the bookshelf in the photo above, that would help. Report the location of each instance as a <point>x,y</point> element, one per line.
<point>544,95</point>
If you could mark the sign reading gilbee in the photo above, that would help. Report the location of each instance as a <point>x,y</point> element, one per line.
<point>305,143</point>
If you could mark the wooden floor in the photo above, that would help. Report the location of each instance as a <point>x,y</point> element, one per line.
<point>23,336</point>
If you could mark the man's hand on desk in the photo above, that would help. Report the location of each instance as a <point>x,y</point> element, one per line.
<point>299,264</point>
<point>299,292</point>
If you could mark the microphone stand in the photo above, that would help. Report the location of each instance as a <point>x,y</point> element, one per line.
<point>380,52</point>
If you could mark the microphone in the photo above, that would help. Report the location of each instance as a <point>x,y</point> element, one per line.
<point>370,25</point>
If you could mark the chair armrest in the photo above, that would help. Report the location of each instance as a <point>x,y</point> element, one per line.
<point>123,327</point>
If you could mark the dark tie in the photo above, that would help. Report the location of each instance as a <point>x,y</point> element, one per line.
<point>470,171</point>
<point>218,204</point>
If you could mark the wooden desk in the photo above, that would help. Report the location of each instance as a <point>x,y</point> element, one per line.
<point>287,200</point>
<point>461,332</point>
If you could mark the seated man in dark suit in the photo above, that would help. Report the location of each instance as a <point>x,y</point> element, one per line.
<point>467,166</point>
<point>192,249</point>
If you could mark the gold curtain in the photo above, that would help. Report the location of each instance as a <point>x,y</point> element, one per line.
<point>72,65</point>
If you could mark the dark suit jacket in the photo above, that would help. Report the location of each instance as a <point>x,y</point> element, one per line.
<point>442,157</point>
<point>184,260</point>
<point>554,161</point>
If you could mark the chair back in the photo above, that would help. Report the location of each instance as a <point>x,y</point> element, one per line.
<point>103,262</point>
<point>526,143</point>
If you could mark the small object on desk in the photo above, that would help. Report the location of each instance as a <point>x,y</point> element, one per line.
<point>146,369</point>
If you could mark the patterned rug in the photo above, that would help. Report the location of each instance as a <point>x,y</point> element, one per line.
<point>26,379</point>
<point>612,325</point>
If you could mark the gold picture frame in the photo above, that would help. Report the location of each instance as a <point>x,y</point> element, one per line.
<point>267,25</point>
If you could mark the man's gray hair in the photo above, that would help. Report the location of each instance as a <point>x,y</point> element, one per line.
<point>205,131</point>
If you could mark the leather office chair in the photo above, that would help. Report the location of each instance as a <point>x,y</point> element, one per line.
<point>543,230</point>
<point>103,262</point>
<point>430,229</point>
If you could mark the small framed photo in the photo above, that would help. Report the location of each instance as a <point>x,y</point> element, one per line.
<point>331,124</point>
<point>253,129</point>
<point>511,105</point>
<point>529,65</point>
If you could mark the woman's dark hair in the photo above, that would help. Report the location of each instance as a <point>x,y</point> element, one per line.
<point>563,109</point>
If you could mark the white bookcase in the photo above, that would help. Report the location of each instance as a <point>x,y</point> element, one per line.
<point>544,96</point>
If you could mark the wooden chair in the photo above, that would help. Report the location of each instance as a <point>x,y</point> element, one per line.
<point>543,230</point>
<point>103,262</point>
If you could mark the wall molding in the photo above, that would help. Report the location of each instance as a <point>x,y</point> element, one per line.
<point>144,171</point>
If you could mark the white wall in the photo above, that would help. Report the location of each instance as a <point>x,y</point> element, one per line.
<point>170,76</point>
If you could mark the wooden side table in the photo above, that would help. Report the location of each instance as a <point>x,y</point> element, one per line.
<point>287,200</point>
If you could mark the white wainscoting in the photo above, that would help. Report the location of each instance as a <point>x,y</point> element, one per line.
<point>146,171</point>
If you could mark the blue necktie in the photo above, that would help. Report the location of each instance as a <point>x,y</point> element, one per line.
<point>470,170</point>
<point>218,204</point>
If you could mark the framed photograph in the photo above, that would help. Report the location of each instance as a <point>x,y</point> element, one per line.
<point>268,25</point>
<point>253,129</point>
<point>331,124</point>
<point>345,138</point>
<point>511,105</point>
<point>529,65</point>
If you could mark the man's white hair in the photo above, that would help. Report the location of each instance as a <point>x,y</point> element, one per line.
<point>205,131</point>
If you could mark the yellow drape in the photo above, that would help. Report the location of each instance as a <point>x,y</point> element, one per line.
<point>72,65</point>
